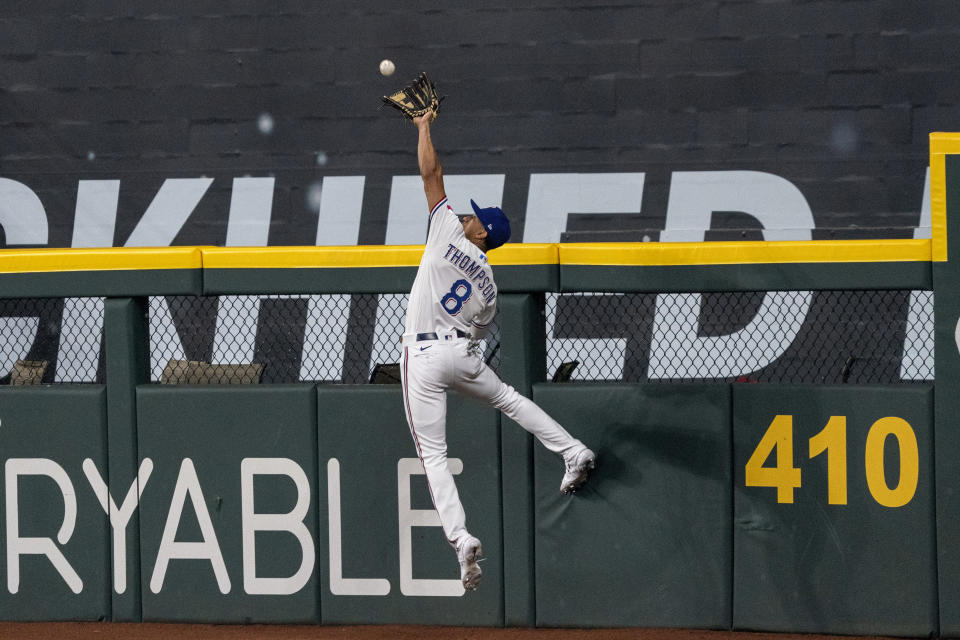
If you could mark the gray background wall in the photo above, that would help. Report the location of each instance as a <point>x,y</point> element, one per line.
<point>837,97</point>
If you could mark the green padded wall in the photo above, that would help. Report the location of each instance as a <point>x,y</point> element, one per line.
<point>211,430</point>
<point>946,276</point>
<point>365,443</point>
<point>522,363</point>
<point>824,563</point>
<point>49,432</point>
<point>647,541</point>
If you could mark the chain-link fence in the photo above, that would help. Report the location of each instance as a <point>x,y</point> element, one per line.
<point>49,340</point>
<point>336,338</point>
<point>789,336</point>
<point>780,336</point>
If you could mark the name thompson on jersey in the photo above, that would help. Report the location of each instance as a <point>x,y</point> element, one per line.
<point>474,271</point>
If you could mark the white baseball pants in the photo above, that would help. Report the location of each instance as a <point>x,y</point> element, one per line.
<point>427,370</point>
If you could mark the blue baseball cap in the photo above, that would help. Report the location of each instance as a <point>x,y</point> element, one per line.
<point>496,224</point>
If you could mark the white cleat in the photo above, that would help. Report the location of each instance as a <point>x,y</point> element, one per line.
<point>469,553</point>
<point>578,468</point>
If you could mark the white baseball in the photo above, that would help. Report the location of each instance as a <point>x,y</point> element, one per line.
<point>387,67</point>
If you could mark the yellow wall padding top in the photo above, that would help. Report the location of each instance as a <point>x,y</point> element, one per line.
<point>311,257</point>
<point>108,259</point>
<point>600,254</point>
<point>780,252</point>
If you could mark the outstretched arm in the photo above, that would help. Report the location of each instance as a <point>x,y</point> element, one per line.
<point>430,169</point>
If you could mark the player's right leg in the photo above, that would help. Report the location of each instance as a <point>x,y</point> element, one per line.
<point>479,381</point>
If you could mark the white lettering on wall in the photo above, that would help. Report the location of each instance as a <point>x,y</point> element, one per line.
<point>553,196</point>
<point>291,522</point>
<point>160,224</point>
<point>119,517</point>
<point>16,544</point>
<point>168,212</point>
<point>340,586</point>
<point>81,325</point>
<point>95,217</point>
<point>24,221</point>
<point>410,518</point>
<point>251,201</point>
<point>676,349</point>
<point>208,549</point>
<point>407,214</point>
<point>22,215</point>
<point>341,201</point>
<point>593,354</point>
<point>774,201</point>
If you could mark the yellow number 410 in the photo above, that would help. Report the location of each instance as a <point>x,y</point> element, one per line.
<point>833,440</point>
<point>785,477</point>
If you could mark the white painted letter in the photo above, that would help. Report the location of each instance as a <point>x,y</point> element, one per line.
<point>158,227</point>
<point>209,549</point>
<point>407,214</point>
<point>291,522</point>
<point>410,518</point>
<point>251,201</point>
<point>338,220</point>
<point>95,219</point>
<point>21,214</point>
<point>676,349</point>
<point>593,354</point>
<point>774,201</point>
<point>340,586</point>
<point>17,546</point>
<point>553,196</point>
<point>24,222</point>
<point>119,518</point>
<point>171,207</point>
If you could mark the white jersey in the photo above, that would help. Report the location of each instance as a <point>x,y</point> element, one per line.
<point>454,287</point>
<point>454,291</point>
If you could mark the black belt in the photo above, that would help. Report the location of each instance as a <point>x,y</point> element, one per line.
<point>433,336</point>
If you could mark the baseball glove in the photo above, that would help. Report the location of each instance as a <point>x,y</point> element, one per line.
<point>416,99</point>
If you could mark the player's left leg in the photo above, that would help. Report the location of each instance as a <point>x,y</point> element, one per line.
<point>425,404</point>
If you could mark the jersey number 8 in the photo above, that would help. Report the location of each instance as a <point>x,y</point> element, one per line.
<point>459,293</point>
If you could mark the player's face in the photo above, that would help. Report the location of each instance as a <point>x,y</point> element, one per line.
<point>474,230</point>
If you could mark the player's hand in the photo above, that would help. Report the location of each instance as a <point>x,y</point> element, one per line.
<point>425,119</point>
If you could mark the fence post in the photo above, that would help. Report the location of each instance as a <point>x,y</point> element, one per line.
<point>127,364</point>
<point>522,363</point>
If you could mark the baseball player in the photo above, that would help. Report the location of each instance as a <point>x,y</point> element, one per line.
<point>452,302</point>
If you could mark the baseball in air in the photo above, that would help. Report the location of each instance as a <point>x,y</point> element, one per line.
<point>387,67</point>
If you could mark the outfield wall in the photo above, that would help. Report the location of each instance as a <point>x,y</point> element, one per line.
<point>807,508</point>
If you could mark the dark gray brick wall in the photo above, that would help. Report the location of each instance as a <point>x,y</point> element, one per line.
<point>144,91</point>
